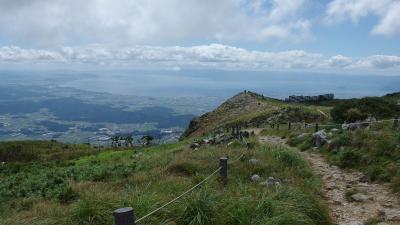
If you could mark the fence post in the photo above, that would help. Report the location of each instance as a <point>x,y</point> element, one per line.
<point>316,127</point>
<point>289,125</point>
<point>277,126</point>
<point>223,163</point>
<point>124,216</point>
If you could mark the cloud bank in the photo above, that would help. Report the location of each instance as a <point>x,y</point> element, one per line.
<point>202,56</point>
<point>387,12</point>
<point>127,22</point>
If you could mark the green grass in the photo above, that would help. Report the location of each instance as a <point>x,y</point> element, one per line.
<point>87,190</point>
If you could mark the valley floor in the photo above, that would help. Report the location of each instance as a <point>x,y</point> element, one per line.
<point>352,200</point>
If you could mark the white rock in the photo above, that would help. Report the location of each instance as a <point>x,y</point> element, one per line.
<point>253,161</point>
<point>255,178</point>
<point>359,197</point>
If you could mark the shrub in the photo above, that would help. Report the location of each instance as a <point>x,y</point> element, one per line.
<point>349,158</point>
<point>67,195</point>
<point>361,108</point>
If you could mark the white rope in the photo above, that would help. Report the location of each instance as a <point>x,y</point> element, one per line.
<point>340,124</point>
<point>177,198</point>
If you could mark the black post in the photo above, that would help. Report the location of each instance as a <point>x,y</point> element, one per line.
<point>223,163</point>
<point>124,216</point>
<point>289,125</point>
<point>316,127</point>
<point>396,122</point>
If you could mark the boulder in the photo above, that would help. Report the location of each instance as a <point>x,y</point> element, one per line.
<point>319,138</point>
<point>359,197</point>
<point>255,178</point>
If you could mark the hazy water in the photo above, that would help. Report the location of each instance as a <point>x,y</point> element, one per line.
<point>223,84</point>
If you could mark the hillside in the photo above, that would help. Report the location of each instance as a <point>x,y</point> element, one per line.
<point>248,109</point>
<point>55,183</point>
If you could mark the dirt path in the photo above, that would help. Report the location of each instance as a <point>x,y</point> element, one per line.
<point>366,201</point>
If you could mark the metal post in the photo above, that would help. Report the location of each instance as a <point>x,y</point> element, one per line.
<point>223,163</point>
<point>316,127</point>
<point>124,216</point>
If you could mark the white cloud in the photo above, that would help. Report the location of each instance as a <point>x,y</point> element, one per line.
<point>127,22</point>
<point>340,61</point>
<point>378,61</point>
<point>202,56</point>
<point>387,12</point>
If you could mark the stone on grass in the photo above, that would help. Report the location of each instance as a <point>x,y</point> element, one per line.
<point>255,178</point>
<point>319,138</point>
<point>253,161</point>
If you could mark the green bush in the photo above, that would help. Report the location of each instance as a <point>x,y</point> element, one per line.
<point>357,109</point>
<point>349,158</point>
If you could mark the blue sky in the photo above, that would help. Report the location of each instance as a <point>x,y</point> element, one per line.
<point>343,36</point>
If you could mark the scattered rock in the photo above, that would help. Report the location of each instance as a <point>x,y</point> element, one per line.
<point>390,214</point>
<point>319,138</point>
<point>355,223</point>
<point>364,179</point>
<point>359,197</point>
<point>195,146</point>
<point>271,181</point>
<point>229,144</point>
<point>351,126</point>
<point>382,223</point>
<point>255,178</point>
<point>334,130</point>
<point>253,161</point>
<point>221,138</point>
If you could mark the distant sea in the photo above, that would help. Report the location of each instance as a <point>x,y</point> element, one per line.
<point>223,84</point>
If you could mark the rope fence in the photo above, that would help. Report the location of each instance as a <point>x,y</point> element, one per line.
<point>126,216</point>
<point>317,125</point>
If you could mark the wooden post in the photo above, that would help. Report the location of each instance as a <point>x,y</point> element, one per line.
<point>124,216</point>
<point>396,123</point>
<point>304,125</point>
<point>223,163</point>
<point>316,127</point>
<point>277,126</point>
<point>289,125</point>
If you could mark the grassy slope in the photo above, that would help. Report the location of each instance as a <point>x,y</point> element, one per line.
<point>254,110</point>
<point>86,190</point>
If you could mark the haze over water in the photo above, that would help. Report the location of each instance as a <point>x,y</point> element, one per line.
<point>223,84</point>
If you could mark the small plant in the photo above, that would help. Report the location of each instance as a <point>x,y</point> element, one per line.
<point>198,211</point>
<point>67,195</point>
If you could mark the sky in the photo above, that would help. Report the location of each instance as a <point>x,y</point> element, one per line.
<point>341,36</point>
